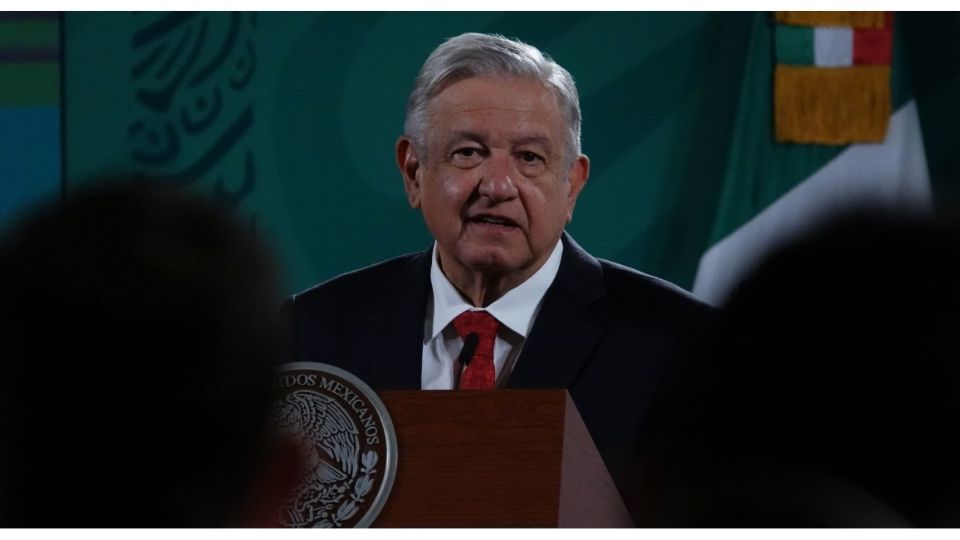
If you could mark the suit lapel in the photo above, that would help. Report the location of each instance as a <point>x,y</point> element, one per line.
<point>399,320</point>
<point>568,327</point>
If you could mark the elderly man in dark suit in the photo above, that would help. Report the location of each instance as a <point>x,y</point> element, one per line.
<point>504,298</point>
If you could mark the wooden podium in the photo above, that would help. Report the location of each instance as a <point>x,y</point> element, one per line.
<point>498,458</point>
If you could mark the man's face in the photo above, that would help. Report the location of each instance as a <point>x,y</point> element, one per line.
<point>495,187</point>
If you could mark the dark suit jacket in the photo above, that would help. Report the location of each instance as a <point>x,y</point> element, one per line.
<point>611,335</point>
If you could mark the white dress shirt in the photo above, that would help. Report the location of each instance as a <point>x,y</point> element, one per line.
<point>516,310</point>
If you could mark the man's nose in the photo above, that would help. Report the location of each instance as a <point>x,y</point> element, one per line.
<point>497,182</point>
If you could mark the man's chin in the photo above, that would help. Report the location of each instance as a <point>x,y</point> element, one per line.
<point>493,261</point>
<point>497,264</point>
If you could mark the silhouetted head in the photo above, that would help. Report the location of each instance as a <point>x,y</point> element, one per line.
<point>837,380</point>
<point>137,342</point>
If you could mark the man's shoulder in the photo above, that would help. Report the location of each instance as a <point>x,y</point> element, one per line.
<point>626,291</point>
<point>621,277</point>
<point>373,281</point>
<point>630,289</point>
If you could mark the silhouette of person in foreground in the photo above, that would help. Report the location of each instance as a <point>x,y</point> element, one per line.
<point>834,395</point>
<point>137,343</point>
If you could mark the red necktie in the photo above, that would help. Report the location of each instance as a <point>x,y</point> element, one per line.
<point>480,373</point>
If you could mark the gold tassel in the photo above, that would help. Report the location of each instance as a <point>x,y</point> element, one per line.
<point>855,19</point>
<point>831,105</point>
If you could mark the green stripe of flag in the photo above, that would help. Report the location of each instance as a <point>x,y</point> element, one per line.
<point>794,45</point>
<point>29,84</point>
<point>29,34</point>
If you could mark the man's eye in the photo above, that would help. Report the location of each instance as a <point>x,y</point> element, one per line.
<point>467,157</point>
<point>530,157</point>
<point>466,152</point>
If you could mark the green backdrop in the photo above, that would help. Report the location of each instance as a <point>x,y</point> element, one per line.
<point>291,118</point>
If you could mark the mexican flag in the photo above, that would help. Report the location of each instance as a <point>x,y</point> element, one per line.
<point>862,111</point>
<point>29,111</point>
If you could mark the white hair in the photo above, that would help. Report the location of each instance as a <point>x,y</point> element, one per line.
<point>474,55</point>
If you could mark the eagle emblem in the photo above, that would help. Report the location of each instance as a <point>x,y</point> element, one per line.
<point>330,416</point>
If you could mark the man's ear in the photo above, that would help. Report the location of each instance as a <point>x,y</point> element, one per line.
<point>579,173</point>
<point>409,164</point>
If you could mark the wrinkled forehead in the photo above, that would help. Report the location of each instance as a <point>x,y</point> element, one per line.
<point>491,90</point>
<point>498,102</point>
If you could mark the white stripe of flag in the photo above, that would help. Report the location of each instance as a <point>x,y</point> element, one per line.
<point>832,46</point>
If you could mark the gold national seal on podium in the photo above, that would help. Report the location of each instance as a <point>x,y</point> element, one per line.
<point>349,441</point>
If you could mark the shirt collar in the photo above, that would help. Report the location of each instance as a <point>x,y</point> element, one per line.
<point>516,309</point>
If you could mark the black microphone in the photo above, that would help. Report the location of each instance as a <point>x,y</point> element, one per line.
<point>469,345</point>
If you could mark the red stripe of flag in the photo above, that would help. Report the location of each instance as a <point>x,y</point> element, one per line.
<point>874,47</point>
